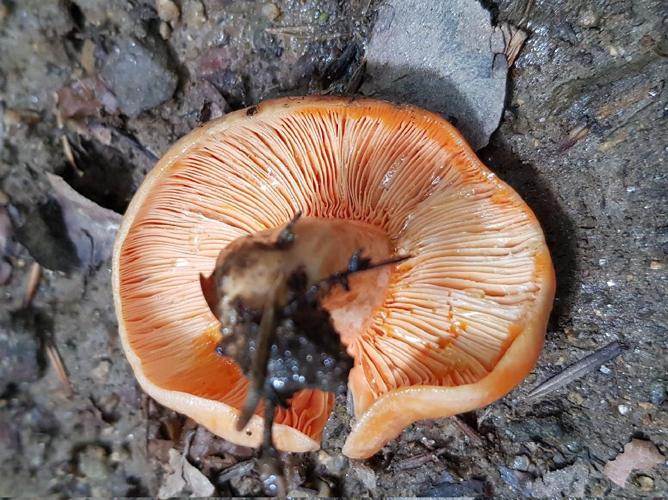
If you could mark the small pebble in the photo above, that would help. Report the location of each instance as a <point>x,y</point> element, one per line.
<point>588,18</point>
<point>605,370</point>
<point>656,265</point>
<point>623,409</point>
<point>101,371</point>
<point>194,14</point>
<point>93,462</point>
<point>645,483</point>
<point>575,397</point>
<point>119,456</point>
<point>521,462</point>
<point>165,30</point>
<point>657,393</point>
<point>271,11</point>
<point>168,11</point>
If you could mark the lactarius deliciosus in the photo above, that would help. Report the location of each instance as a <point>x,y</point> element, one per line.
<point>279,254</point>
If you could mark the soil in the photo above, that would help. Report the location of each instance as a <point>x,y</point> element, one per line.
<point>582,139</point>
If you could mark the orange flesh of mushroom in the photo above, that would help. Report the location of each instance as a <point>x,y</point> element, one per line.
<point>453,329</point>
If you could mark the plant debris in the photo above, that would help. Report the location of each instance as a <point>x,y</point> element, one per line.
<point>576,370</point>
<point>34,277</point>
<point>638,454</point>
<point>184,479</point>
<point>58,366</point>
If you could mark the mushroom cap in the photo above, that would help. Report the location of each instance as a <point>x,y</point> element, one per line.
<point>455,328</point>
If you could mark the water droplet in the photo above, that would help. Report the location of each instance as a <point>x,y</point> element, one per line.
<point>388,178</point>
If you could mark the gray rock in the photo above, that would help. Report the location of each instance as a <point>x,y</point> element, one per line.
<point>139,74</point>
<point>442,56</point>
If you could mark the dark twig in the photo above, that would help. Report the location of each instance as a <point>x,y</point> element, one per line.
<point>356,264</point>
<point>469,431</point>
<point>576,370</point>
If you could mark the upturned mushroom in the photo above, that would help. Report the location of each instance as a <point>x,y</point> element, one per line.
<point>297,247</point>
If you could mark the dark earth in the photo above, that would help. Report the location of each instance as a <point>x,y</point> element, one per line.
<point>96,90</point>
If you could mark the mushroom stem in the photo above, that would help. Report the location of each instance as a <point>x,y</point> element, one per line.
<point>258,373</point>
<point>270,465</point>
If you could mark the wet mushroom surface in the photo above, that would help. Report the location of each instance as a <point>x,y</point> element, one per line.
<point>454,322</point>
<point>581,139</point>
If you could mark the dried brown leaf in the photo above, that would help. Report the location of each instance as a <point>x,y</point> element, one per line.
<point>639,454</point>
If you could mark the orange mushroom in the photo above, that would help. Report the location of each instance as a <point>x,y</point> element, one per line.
<point>454,327</point>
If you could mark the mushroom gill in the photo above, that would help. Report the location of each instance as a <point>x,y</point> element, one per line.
<point>453,328</point>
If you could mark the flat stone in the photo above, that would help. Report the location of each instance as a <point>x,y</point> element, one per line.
<point>443,56</point>
<point>139,74</point>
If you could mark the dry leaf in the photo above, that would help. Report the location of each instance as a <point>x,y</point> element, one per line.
<point>184,479</point>
<point>637,455</point>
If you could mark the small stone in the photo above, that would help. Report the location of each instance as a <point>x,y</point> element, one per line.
<point>168,11</point>
<point>101,371</point>
<point>140,75</point>
<point>521,462</point>
<point>573,445</point>
<point>645,483</point>
<point>575,397</point>
<point>623,409</point>
<point>194,14</point>
<point>656,265</point>
<point>605,370</point>
<point>165,30</point>
<point>365,474</point>
<point>119,456</point>
<point>93,462</point>
<point>588,18</point>
<point>657,393</point>
<point>331,465</point>
<point>271,11</point>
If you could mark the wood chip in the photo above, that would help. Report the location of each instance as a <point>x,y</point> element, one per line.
<point>514,39</point>
<point>419,460</point>
<point>576,370</point>
<point>237,470</point>
<point>57,363</point>
<point>303,33</point>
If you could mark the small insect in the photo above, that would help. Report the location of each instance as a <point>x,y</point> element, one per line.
<point>273,323</point>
